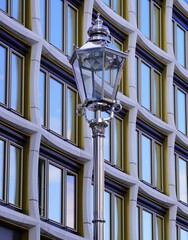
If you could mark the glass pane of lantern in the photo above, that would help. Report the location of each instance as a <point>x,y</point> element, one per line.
<point>91,65</point>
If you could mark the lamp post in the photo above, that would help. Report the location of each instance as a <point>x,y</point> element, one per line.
<point>93,64</point>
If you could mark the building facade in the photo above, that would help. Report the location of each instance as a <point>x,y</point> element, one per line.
<point>46,163</point>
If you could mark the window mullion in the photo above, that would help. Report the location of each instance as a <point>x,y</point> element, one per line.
<point>153,163</point>
<point>152,75</point>
<point>64,200</point>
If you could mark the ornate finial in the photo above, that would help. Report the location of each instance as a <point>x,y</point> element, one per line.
<point>98,31</point>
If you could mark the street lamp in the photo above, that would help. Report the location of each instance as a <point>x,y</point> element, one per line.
<point>93,64</point>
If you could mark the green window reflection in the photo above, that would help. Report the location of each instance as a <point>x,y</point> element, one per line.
<point>159,228</point>
<point>17,82</point>
<point>3,74</point>
<point>3,5</point>
<point>147,226</point>
<point>55,194</point>
<point>71,200</point>
<point>107,211</point>
<point>2,168</point>
<point>15,175</point>
<point>71,114</point>
<point>117,142</point>
<point>182,165</point>
<point>156,24</point>
<point>180,45</point>
<point>145,17</point>
<point>72,29</point>
<point>181,111</point>
<point>145,86</point>
<point>157,94</point>
<point>56,106</point>
<point>56,23</point>
<point>43,19</point>
<point>17,9</point>
<point>42,97</point>
<point>118,221</point>
<point>146,159</point>
<point>158,166</point>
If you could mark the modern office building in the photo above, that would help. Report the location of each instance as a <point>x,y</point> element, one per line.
<point>46,160</point>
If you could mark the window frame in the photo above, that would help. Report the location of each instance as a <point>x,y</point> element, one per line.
<point>152,3</point>
<point>181,223</point>
<point>155,67</point>
<point>182,153</point>
<point>16,139</point>
<point>155,137</point>
<point>66,165</point>
<point>180,20</point>
<point>112,7</point>
<point>9,11</point>
<point>156,210</point>
<point>67,81</point>
<point>181,85</point>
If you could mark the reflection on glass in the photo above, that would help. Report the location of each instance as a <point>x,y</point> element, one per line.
<point>117,142</point>
<point>107,148</point>
<point>147,226</point>
<point>107,2</point>
<point>107,212</point>
<point>117,6</point>
<point>159,228</point>
<point>2,168</point>
<point>56,106</point>
<point>42,97</point>
<point>55,193</point>
<point>41,187</point>
<point>181,111</point>
<point>56,23</point>
<point>146,158</point>
<point>157,95</point>
<point>3,5</point>
<point>137,222</point>
<point>17,9</point>
<point>145,17</point>
<point>118,210</point>
<point>43,17</point>
<point>145,86</point>
<point>158,166</point>
<point>136,76</point>
<point>16,87</point>
<point>183,234</point>
<point>3,74</point>
<point>71,115</point>
<point>71,200</point>
<point>182,180</point>
<point>180,45</point>
<point>156,25</point>
<point>15,175</point>
<point>72,29</point>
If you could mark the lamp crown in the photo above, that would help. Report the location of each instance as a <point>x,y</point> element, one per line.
<point>98,31</point>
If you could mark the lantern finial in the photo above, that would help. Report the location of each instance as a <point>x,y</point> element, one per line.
<point>98,31</point>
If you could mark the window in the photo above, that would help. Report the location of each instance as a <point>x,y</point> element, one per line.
<point>181,166</point>
<point>180,104</point>
<point>114,211</point>
<point>116,5</point>
<point>150,220</point>
<point>15,9</point>
<point>59,19</point>
<point>181,228</point>
<point>12,73</point>
<point>58,101</point>
<point>11,167</point>
<point>113,141</point>
<point>149,82</point>
<point>58,176</point>
<point>180,28</point>
<point>150,155</point>
<point>149,19</point>
<point>12,232</point>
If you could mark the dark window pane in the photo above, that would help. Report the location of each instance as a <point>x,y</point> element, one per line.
<point>2,168</point>
<point>3,74</point>
<point>42,97</point>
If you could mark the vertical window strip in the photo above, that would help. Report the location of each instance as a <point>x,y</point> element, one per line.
<point>116,5</point>
<point>3,74</point>
<point>55,180</point>
<point>3,157</point>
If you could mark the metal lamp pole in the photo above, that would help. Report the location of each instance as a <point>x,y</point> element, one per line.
<point>91,64</point>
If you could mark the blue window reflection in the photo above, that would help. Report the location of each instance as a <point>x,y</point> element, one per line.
<point>181,111</point>
<point>17,9</point>
<point>147,226</point>
<point>180,52</point>
<point>3,80</point>
<point>145,86</point>
<point>145,17</point>
<point>146,159</point>
<point>2,168</point>
<point>3,5</point>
